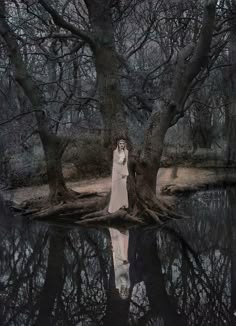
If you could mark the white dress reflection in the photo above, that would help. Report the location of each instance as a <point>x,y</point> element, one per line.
<point>120,241</point>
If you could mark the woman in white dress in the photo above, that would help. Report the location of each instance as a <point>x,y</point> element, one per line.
<point>119,194</point>
<point>120,243</point>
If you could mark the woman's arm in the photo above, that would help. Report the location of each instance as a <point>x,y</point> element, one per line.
<point>124,170</point>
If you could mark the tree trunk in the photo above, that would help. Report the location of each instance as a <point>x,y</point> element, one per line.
<point>144,165</point>
<point>202,128</point>
<point>53,280</point>
<point>109,92</point>
<point>53,147</point>
<point>107,68</point>
<point>57,187</point>
<point>148,160</point>
<point>53,150</point>
<point>149,269</point>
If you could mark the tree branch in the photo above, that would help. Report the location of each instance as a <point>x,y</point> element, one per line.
<point>186,72</point>
<point>60,21</point>
<point>20,72</point>
<point>18,116</point>
<point>202,50</point>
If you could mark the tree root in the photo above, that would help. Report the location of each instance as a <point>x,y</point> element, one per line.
<point>87,203</point>
<point>91,209</point>
<point>105,217</point>
<point>63,210</point>
<point>144,213</point>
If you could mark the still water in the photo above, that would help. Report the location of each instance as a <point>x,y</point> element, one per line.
<point>177,275</point>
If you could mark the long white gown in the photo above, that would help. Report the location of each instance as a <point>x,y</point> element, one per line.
<point>119,194</point>
<point>120,243</point>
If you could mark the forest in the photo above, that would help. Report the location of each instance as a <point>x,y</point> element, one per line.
<point>148,85</point>
<point>76,76</point>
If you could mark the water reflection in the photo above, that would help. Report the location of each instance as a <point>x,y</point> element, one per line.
<point>120,242</point>
<point>183,274</point>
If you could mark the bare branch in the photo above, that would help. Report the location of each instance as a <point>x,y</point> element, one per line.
<point>186,72</point>
<point>60,21</point>
<point>199,59</point>
<point>18,116</point>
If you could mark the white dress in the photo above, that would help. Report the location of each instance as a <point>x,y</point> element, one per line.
<point>119,194</point>
<point>120,242</point>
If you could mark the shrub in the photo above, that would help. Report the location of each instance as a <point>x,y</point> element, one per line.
<point>23,168</point>
<point>88,156</point>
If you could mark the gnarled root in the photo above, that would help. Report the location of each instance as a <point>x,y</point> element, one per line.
<point>91,209</point>
<point>121,216</point>
<point>86,203</point>
<point>145,212</point>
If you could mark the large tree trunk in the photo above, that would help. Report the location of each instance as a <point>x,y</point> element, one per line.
<point>107,68</point>
<point>146,267</point>
<point>53,147</point>
<point>150,156</point>
<point>53,150</point>
<point>53,280</point>
<point>148,161</point>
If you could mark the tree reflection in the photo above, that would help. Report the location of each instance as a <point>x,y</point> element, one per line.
<point>183,274</point>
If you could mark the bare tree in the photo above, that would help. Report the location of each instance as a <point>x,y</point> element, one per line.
<point>53,145</point>
<point>191,60</point>
<point>189,54</point>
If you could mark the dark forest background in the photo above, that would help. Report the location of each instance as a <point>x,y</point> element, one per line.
<point>148,37</point>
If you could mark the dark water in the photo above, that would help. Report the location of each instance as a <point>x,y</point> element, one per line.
<point>183,274</point>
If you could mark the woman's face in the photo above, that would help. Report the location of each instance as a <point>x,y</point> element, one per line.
<point>121,144</point>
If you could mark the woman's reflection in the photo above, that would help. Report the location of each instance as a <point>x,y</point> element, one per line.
<point>120,241</point>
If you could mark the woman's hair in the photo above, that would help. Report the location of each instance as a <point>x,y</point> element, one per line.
<point>121,140</point>
<point>116,141</point>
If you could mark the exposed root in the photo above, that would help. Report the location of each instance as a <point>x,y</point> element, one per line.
<point>71,210</point>
<point>155,210</point>
<point>87,195</point>
<point>91,208</point>
<point>69,195</point>
<point>81,204</point>
<point>61,195</point>
<point>144,213</point>
<point>119,216</point>
<point>103,212</point>
<point>154,215</point>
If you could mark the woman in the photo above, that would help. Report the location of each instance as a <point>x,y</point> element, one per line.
<point>120,242</point>
<point>119,194</point>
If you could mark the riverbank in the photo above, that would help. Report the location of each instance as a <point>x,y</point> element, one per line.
<point>173,181</point>
<point>170,181</point>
